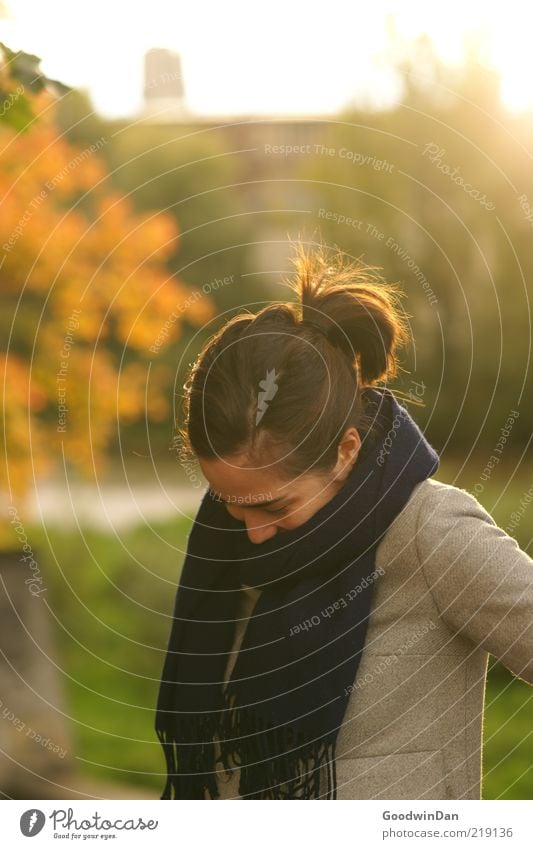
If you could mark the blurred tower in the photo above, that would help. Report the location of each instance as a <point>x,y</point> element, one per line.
<point>164,92</point>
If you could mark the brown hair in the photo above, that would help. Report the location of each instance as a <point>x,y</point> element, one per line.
<point>313,380</point>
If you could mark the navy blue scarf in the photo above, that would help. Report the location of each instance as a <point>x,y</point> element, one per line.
<point>280,714</point>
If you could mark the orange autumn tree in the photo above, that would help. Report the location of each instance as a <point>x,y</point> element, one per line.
<point>85,293</point>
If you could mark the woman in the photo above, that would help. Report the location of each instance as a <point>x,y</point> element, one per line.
<point>337,604</point>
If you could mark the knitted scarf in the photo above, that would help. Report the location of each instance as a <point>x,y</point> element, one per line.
<point>279,714</point>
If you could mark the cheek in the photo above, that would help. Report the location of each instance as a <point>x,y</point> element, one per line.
<point>297,517</point>
<point>304,510</point>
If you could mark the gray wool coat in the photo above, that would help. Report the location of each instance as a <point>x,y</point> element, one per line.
<point>452,588</point>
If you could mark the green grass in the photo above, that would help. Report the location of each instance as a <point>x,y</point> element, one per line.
<point>508,736</point>
<point>113,598</point>
<point>113,601</point>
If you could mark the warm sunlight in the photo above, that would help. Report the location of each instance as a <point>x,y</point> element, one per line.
<point>501,37</point>
<point>265,507</point>
<point>265,69</point>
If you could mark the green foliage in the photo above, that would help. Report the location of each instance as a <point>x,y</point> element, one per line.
<point>20,77</point>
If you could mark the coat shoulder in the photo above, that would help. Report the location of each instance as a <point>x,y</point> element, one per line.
<point>433,508</point>
<point>433,495</point>
<point>423,493</point>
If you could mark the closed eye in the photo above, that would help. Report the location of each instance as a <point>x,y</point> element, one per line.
<point>274,512</point>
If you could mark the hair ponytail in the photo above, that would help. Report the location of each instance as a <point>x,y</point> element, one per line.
<point>359,314</point>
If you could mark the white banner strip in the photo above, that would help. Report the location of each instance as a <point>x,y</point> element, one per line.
<point>282,825</point>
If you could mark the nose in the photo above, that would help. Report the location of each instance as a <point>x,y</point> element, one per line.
<point>260,534</point>
<point>257,531</point>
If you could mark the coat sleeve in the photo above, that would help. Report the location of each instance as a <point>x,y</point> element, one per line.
<point>480,579</point>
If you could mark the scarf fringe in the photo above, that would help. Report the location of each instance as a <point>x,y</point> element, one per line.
<point>271,765</point>
<point>190,766</point>
<point>275,766</point>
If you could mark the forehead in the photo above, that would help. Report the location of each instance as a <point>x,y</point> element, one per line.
<point>230,477</point>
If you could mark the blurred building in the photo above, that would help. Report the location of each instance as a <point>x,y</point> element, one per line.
<point>164,90</point>
<point>266,145</point>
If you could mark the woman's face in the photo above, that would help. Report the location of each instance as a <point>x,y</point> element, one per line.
<point>268,503</point>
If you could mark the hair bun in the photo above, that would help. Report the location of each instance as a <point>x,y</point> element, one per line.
<point>333,334</point>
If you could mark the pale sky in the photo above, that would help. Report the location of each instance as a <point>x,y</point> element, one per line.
<point>280,57</point>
